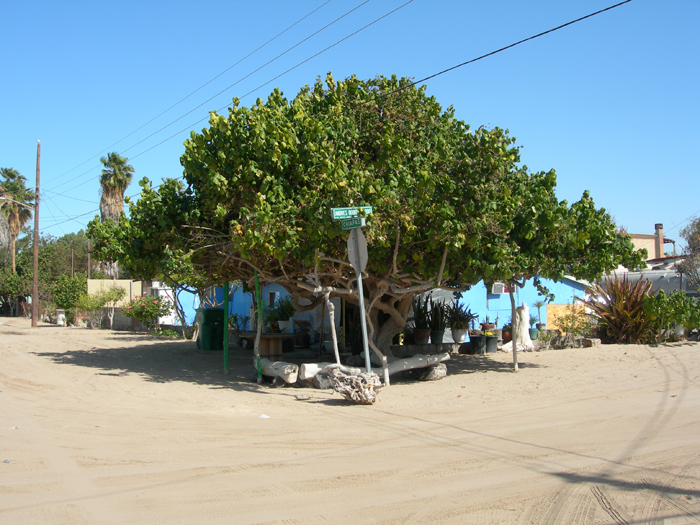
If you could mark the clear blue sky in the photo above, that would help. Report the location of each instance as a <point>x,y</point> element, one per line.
<point>611,103</point>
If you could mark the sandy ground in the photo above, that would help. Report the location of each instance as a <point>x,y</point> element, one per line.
<point>101,427</point>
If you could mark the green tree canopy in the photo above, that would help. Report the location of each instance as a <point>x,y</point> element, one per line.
<point>451,205</point>
<point>690,266</point>
<point>115,178</point>
<point>16,204</point>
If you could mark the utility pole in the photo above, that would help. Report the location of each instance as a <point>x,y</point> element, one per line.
<point>88,258</point>
<point>35,282</point>
<point>72,259</point>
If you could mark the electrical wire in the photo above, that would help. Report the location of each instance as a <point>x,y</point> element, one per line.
<point>255,89</point>
<point>543,33</point>
<point>200,87</point>
<point>67,196</point>
<point>222,91</point>
<point>45,201</point>
<point>275,78</point>
<point>690,217</point>
<point>408,85</point>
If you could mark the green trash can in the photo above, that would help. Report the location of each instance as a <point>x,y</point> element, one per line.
<point>211,328</point>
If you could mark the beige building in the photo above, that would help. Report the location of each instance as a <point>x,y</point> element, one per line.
<point>654,244</point>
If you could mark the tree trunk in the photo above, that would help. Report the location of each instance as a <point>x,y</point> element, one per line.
<point>12,253</point>
<point>514,326</point>
<point>180,311</point>
<point>287,371</point>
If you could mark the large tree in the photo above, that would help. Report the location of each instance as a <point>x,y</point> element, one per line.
<point>16,204</point>
<point>114,179</point>
<point>261,182</point>
<point>690,266</point>
<point>551,239</point>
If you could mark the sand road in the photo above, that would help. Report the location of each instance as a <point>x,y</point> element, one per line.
<point>100,427</point>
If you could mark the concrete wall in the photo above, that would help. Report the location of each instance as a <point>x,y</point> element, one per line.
<point>131,288</point>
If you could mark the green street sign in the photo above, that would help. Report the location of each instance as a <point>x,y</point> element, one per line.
<point>354,222</point>
<point>346,213</point>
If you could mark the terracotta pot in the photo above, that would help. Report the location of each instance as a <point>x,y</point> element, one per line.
<point>421,335</point>
<point>507,336</point>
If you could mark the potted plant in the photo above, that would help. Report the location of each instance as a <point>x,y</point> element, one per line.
<point>487,325</point>
<point>421,321</point>
<point>438,321</point>
<point>285,311</point>
<point>237,325</point>
<point>507,331</point>
<point>533,330</point>
<point>539,305</point>
<point>459,318</point>
<point>491,340</point>
<point>271,318</point>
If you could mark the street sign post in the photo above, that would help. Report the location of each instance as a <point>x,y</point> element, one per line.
<point>346,213</point>
<point>355,222</point>
<point>357,250</point>
<point>357,253</point>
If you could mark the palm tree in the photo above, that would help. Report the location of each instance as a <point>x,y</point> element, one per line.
<point>114,180</point>
<point>116,177</point>
<point>16,204</point>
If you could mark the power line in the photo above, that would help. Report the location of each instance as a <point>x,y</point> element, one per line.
<point>46,201</point>
<point>690,217</point>
<point>224,90</point>
<point>200,87</point>
<point>408,85</point>
<point>276,77</point>
<point>255,89</point>
<point>411,84</point>
<point>67,196</point>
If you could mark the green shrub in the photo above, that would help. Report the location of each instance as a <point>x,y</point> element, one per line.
<point>66,291</point>
<point>574,324</point>
<point>91,307</point>
<point>284,308</point>
<point>619,306</point>
<point>147,309</point>
<point>166,333</point>
<point>673,309</point>
<point>459,317</point>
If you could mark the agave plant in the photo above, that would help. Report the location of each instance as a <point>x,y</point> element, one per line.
<point>619,307</point>
<point>438,315</point>
<point>460,316</point>
<point>421,315</point>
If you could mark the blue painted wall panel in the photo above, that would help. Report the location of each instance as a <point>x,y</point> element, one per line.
<point>498,306</point>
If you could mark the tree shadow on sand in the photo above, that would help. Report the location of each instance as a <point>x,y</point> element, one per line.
<point>470,364</point>
<point>171,360</point>
<point>165,362</point>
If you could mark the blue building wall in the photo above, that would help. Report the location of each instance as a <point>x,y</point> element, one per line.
<point>498,306</point>
<point>241,302</point>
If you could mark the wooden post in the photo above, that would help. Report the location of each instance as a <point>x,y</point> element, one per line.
<point>226,328</point>
<point>35,280</point>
